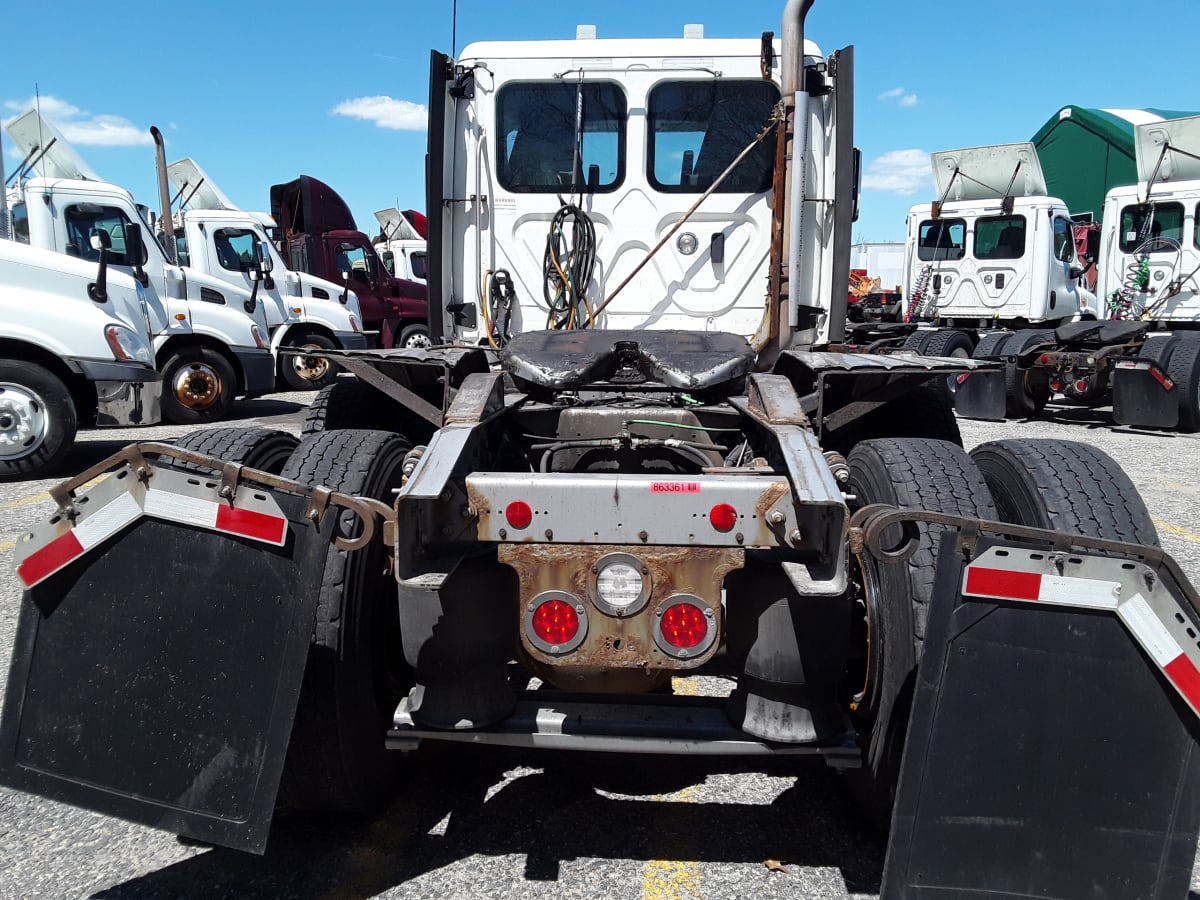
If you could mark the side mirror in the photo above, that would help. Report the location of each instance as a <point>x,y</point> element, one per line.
<point>263,256</point>
<point>1092,253</point>
<point>1075,273</point>
<point>100,239</point>
<point>137,252</point>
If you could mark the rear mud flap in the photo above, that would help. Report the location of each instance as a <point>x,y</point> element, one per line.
<point>1052,746</point>
<point>981,395</point>
<point>1143,395</point>
<point>155,673</point>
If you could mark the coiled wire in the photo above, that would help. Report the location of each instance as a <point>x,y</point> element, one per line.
<point>567,268</point>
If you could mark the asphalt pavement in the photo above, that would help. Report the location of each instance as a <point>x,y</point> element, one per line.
<point>480,822</point>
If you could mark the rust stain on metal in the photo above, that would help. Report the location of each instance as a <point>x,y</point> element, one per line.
<point>776,491</point>
<point>617,644</point>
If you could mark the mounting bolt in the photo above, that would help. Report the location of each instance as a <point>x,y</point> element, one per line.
<point>796,536</point>
<point>740,538</point>
<point>682,654</point>
<point>503,534</point>
<point>226,491</point>
<point>777,517</point>
<point>709,613</point>
<point>549,534</point>
<point>579,609</point>
<point>643,536</point>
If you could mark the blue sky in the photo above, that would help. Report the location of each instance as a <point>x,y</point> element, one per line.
<point>259,93</point>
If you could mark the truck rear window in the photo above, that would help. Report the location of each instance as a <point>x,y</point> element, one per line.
<point>697,128</point>
<point>999,237</point>
<point>940,239</point>
<point>538,151</point>
<point>1160,223</point>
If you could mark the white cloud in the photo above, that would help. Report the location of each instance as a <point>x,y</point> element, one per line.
<point>386,112</point>
<point>80,127</point>
<point>900,95</point>
<point>902,172</point>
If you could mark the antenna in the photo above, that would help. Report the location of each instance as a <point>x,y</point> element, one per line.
<point>454,30</point>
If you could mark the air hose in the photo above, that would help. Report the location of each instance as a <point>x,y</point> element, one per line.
<point>567,268</point>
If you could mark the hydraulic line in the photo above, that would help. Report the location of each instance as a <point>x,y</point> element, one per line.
<point>918,293</point>
<point>1123,303</point>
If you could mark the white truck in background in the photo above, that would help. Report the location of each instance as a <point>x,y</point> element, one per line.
<point>214,236</point>
<point>993,254</point>
<point>401,243</point>
<point>210,337</point>
<point>1142,348</point>
<point>74,352</point>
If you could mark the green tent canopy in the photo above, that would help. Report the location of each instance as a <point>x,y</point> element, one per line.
<point>1085,152</point>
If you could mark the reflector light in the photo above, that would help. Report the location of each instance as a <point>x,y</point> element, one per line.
<point>1056,385</point>
<point>1081,386</point>
<point>963,377</point>
<point>684,625</point>
<point>1162,379</point>
<point>723,517</point>
<point>1045,358</point>
<point>518,514</point>
<point>556,622</point>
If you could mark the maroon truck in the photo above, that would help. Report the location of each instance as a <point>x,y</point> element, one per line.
<point>317,234</point>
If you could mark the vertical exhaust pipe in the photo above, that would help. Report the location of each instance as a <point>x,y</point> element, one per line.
<point>792,75</point>
<point>166,223</point>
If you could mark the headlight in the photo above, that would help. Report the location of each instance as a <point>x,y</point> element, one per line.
<point>125,345</point>
<point>622,584</point>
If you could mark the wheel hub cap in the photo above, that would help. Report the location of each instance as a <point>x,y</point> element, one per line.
<point>309,366</point>
<point>23,421</point>
<point>418,342</point>
<point>197,386</point>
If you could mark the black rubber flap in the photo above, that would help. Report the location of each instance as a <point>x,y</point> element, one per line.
<point>1140,399</point>
<point>156,678</point>
<point>981,395</point>
<point>1047,757</point>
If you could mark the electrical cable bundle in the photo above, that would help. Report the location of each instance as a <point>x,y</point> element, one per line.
<point>567,268</point>
<point>498,296</point>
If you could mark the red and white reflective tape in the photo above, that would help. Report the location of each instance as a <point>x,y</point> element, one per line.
<point>249,523</point>
<point>83,536</point>
<point>1139,618</point>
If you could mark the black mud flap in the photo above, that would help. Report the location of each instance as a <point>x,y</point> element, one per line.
<point>158,663</point>
<point>981,395</point>
<point>1052,746</point>
<point>1143,395</point>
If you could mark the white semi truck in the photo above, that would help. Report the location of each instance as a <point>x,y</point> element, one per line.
<point>642,452</point>
<point>401,243</point>
<point>214,236</point>
<point>1142,348</point>
<point>211,341</point>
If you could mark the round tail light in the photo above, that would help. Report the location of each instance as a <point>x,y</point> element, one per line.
<point>555,622</point>
<point>686,626</point>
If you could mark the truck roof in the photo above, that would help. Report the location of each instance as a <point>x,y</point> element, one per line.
<point>600,50</point>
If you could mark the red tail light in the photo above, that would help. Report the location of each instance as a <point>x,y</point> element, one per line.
<point>723,517</point>
<point>556,622</point>
<point>684,625</point>
<point>1081,386</point>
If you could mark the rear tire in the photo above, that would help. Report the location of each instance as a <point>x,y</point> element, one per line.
<point>199,385</point>
<point>259,448</point>
<point>310,371</point>
<point>945,342</point>
<point>38,421</point>
<point>922,474</point>
<point>1065,486</point>
<point>1183,367</point>
<point>356,674</point>
<point>347,403</point>
<point>1027,391</point>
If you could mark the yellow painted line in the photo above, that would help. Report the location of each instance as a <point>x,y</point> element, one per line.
<point>23,501</point>
<point>668,879</point>
<point>1176,530</point>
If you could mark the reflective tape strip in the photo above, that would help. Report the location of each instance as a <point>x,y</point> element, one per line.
<point>1003,584</point>
<point>216,516</point>
<point>1140,619</point>
<point>89,532</point>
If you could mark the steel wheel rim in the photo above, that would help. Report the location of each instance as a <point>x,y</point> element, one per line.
<point>310,366</point>
<point>197,386</point>
<point>24,423</point>
<point>418,342</point>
